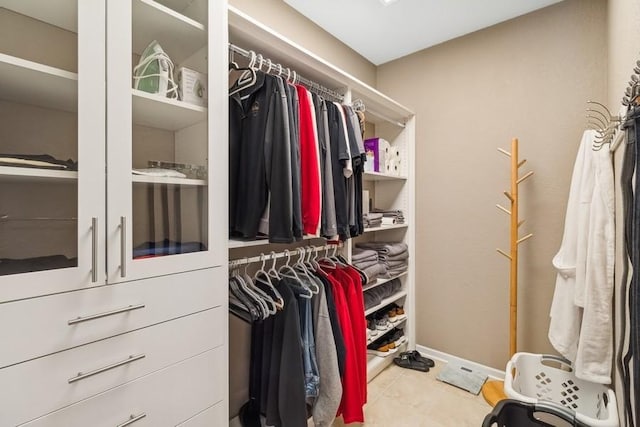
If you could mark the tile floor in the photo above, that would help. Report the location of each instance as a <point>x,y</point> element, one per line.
<point>406,398</point>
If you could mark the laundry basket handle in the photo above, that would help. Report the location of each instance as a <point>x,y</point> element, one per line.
<point>557,410</point>
<point>559,359</point>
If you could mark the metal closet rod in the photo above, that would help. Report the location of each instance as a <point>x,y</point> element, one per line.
<point>298,78</point>
<point>273,255</point>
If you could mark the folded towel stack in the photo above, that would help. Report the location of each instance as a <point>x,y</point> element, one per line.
<point>372,219</point>
<point>367,261</point>
<point>390,217</point>
<point>393,256</point>
<point>374,296</point>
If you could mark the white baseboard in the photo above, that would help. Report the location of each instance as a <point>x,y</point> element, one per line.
<point>446,357</point>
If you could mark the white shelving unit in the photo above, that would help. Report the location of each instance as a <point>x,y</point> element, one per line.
<point>144,327</point>
<point>378,176</point>
<point>36,175</point>
<point>32,83</point>
<point>393,298</point>
<point>164,113</point>
<point>392,121</point>
<point>379,282</point>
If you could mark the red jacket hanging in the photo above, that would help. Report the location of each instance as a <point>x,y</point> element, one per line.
<point>309,166</point>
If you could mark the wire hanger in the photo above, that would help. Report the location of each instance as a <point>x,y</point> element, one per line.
<point>603,122</point>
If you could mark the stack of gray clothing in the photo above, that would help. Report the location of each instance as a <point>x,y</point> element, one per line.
<point>391,216</point>
<point>367,261</point>
<point>372,219</point>
<point>394,256</point>
<point>374,296</point>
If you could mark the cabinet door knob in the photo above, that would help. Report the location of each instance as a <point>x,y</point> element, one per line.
<point>81,319</point>
<point>84,375</point>
<point>123,246</point>
<point>132,419</point>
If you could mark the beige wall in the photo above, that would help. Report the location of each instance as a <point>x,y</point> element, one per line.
<point>290,23</point>
<point>528,78</point>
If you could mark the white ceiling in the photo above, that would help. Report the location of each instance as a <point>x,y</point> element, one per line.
<point>383,33</point>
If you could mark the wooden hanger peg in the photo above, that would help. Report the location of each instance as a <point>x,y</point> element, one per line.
<point>520,223</point>
<point>503,209</point>
<point>509,196</point>
<point>505,152</point>
<point>528,236</point>
<point>522,163</point>
<point>501,252</point>
<point>524,177</point>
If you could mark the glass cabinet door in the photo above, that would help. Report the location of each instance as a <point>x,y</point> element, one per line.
<point>158,153</point>
<point>51,146</point>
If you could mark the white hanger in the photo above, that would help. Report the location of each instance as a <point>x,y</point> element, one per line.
<point>263,277</point>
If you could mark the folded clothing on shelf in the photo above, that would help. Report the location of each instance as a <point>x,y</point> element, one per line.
<point>374,271</point>
<point>393,256</point>
<point>40,161</point>
<point>373,297</point>
<point>166,247</point>
<point>27,265</point>
<point>385,248</point>
<point>372,220</point>
<point>362,255</point>
<point>390,216</point>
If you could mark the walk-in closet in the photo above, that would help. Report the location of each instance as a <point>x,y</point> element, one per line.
<point>289,213</point>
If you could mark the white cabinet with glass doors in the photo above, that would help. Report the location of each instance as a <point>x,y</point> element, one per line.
<point>52,146</point>
<point>161,186</point>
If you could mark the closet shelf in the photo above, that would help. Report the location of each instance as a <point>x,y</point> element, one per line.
<point>393,298</point>
<point>378,176</point>
<point>389,329</point>
<point>179,36</point>
<point>375,364</point>
<point>168,180</point>
<point>28,82</point>
<point>14,174</point>
<point>386,227</point>
<point>63,15</point>
<point>251,34</point>
<point>163,113</point>
<point>235,244</point>
<point>379,282</point>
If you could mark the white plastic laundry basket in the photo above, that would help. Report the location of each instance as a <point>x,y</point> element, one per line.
<point>537,378</point>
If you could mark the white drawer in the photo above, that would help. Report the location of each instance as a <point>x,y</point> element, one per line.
<point>211,417</point>
<point>45,386</point>
<point>40,326</point>
<point>165,398</point>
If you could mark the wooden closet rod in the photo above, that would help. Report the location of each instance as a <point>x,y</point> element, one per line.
<point>273,67</point>
<point>287,253</point>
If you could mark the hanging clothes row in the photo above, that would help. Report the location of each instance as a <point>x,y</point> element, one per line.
<point>296,160</point>
<point>308,341</point>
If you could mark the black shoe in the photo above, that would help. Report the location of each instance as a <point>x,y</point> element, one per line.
<point>415,354</point>
<point>406,361</point>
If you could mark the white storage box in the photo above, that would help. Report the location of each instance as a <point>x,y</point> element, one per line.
<point>535,378</point>
<point>192,86</point>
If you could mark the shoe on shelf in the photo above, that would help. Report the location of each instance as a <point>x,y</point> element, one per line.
<point>379,349</point>
<point>382,323</point>
<point>371,327</point>
<point>392,315</point>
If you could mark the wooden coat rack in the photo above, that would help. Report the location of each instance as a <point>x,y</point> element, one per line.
<point>493,391</point>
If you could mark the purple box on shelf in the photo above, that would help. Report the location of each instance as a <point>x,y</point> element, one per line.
<point>377,146</point>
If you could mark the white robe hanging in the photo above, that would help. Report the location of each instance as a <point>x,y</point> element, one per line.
<point>581,327</point>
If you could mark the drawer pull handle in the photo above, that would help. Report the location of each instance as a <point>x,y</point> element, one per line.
<point>94,249</point>
<point>80,319</point>
<point>132,419</point>
<point>130,359</point>
<point>123,246</point>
